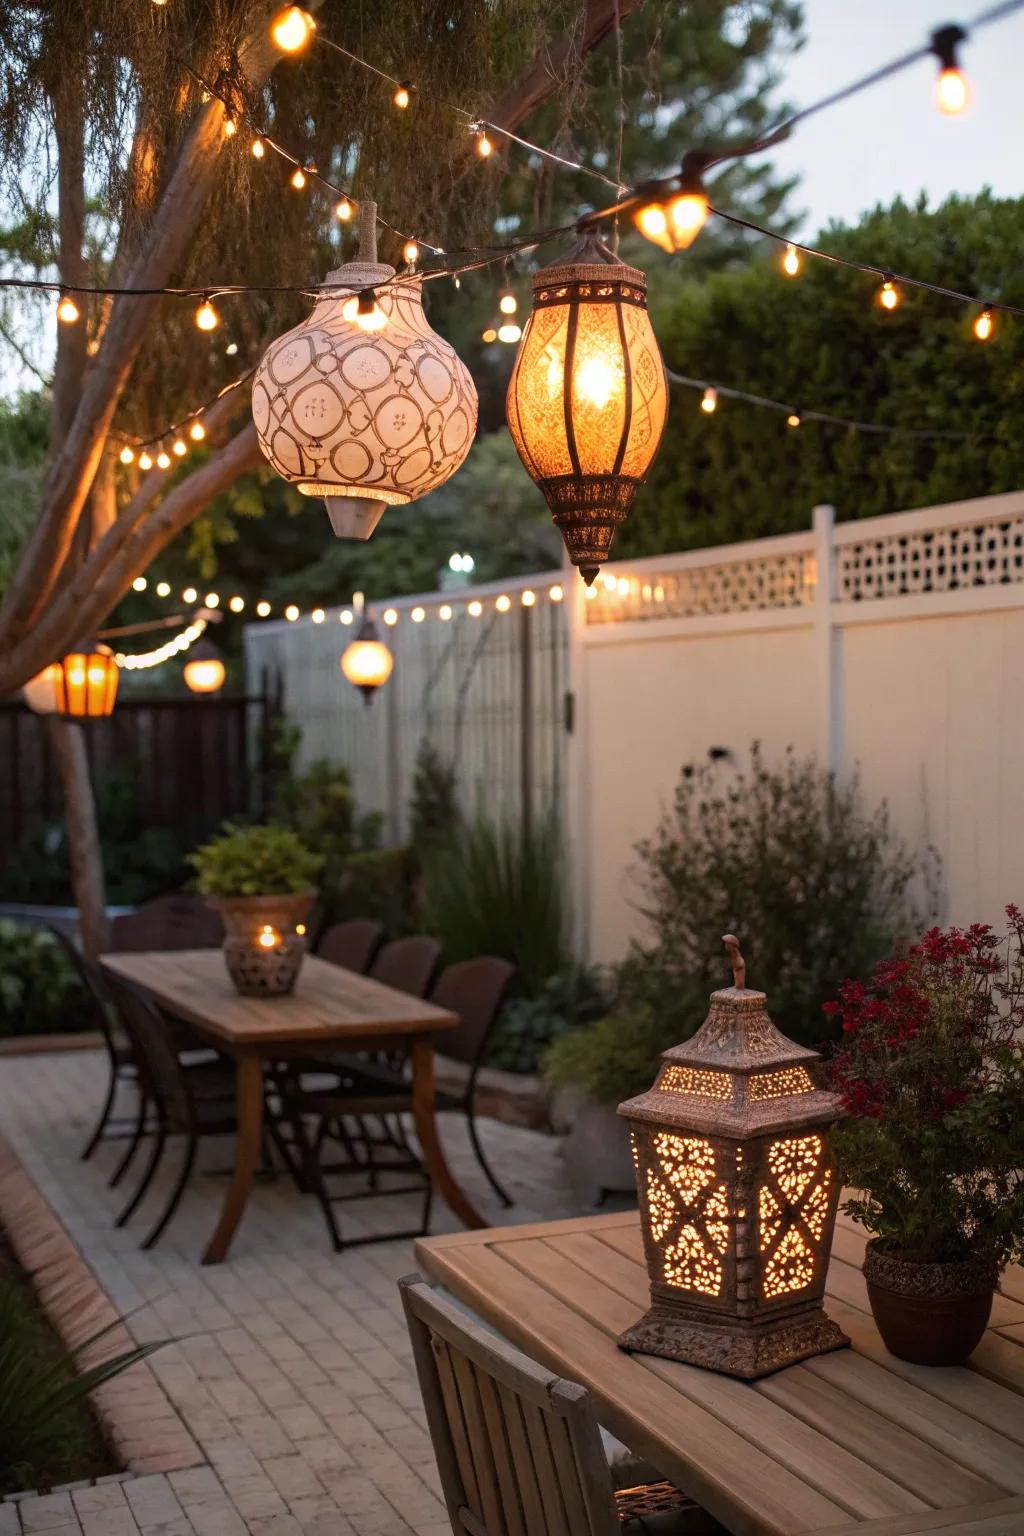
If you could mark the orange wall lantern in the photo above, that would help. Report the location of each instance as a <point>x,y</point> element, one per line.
<point>86,682</point>
<point>737,1193</point>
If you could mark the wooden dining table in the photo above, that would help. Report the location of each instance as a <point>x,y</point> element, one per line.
<point>331,1009</point>
<point>852,1443</point>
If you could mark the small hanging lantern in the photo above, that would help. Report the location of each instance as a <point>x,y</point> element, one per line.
<point>204,671</point>
<point>737,1193</point>
<point>366,661</point>
<point>587,399</point>
<point>86,684</point>
<point>363,404</point>
<point>40,692</point>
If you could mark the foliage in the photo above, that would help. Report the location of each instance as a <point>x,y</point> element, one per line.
<point>433,807</point>
<point>527,1026</point>
<point>611,1059</point>
<point>40,991</point>
<point>932,1075</point>
<point>814,882</point>
<point>823,342</point>
<point>47,1432</point>
<point>141,860</point>
<point>497,890</point>
<point>254,861</point>
<point>23,432</point>
<point>318,805</point>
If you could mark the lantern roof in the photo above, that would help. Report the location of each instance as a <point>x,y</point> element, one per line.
<point>739,1075</point>
<point>588,260</point>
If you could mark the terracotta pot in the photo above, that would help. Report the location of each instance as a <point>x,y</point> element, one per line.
<point>262,951</point>
<point>932,1314</point>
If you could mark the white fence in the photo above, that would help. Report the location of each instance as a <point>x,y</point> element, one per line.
<point>895,643</point>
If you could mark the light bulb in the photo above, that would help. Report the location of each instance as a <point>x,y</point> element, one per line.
<point>674,221</point>
<point>687,215</point>
<point>163,460</point>
<point>318,615</point>
<point>126,455</point>
<point>475,608</point>
<point>651,221</point>
<point>145,462</point>
<point>67,310</point>
<point>230,127</point>
<point>298,178</point>
<point>510,332</point>
<point>528,598</point>
<point>888,294</point>
<point>984,325</point>
<point>268,937</point>
<point>503,603</point>
<point>291,613</point>
<point>236,603</point>
<point>139,584</point>
<point>365,311</point>
<point>163,589</point>
<point>791,261</point>
<point>211,600</point>
<point>410,253</point>
<point>445,612</point>
<point>556,594</point>
<point>484,147</point>
<point>343,210</point>
<point>180,448</point>
<point>263,609</point>
<point>345,616</point>
<point>390,616</point>
<point>189,595</point>
<point>508,303</point>
<point>257,149</point>
<point>418,615</point>
<point>401,97</point>
<point>197,431</point>
<point>952,93</point>
<point>489,335</point>
<point>292,29</point>
<point>231,349</point>
<point>597,381</point>
<point>794,419</point>
<point>709,400</point>
<point>207,318</point>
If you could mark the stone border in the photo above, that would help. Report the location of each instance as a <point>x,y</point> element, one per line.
<point>144,1429</point>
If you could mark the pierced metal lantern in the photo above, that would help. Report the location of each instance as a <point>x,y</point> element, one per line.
<point>737,1192</point>
<point>588,398</point>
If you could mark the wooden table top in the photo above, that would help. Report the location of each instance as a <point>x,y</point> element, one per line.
<point>851,1443</point>
<point>328,1004</point>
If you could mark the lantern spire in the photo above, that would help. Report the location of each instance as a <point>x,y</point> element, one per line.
<point>739,965</point>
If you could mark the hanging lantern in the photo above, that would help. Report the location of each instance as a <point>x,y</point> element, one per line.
<point>40,692</point>
<point>366,661</point>
<point>587,398</point>
<point>86,685</point>
<point>204,671</point>
<point>363,404</point>
<point>737,1193</point>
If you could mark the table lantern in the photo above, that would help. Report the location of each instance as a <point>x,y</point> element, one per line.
<point>265,940</point>
<point>737,1192</point>
<point>587,398</point>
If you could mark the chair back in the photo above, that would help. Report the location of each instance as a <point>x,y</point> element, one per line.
<point>407,964</point>
<point>475,990</point>
<point>161,1075</point>
<point>518,1448</point>
<point>92,980</point>
<point>352,944</point>
<point>181,920</point>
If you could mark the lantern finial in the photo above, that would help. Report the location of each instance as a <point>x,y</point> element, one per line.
<point>739,965</point>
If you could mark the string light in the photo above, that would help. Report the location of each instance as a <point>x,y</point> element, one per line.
<point>291,613</point>
<point>418,615</point>
<point>298,178</point>
<point>231,349</point>
<point>163,460</point>
<point>127,455</point>
<point>984,325</point>
<point>503,603</point>
<point>791,261</point>
<point>508,303</point>
<point>169,649</point>
<point>391,616</point>
<point>343,210</point>
<point>292,29</point>
<point>189,595</point>
<point>145,462</point>
<point>556,594</point>
<point>67,310</point>
<point>230,127</point>
<point>163,589</point>
<point>510,333</point>
<point>672,213</point>
<point>207,318</point>
<point>709,400</point>
<point>794,419</point>
<point>445,612</point>
<point>402,96</point>
<point>475,608</point>
<point>263,609</point>
<point>952,92</point>
<point>318,615</point>
<point>489,335</point>
<point>528,598</point>
<point>211,600</point>
<point>345,616</point>
<point>484,147</point>
<point>888,294</point>
<point>179,447</point>
<point>197,431</point>
<point>410,253</point>
<point>139,584</point>
<point>257,149</point>
<point>236,603</point>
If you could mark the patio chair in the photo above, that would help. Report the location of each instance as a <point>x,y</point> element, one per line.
<point>352,944</point>
<point>193,1101</point>
<point>408,965</point>
<point>518,1448</point>
<point>180,920</point>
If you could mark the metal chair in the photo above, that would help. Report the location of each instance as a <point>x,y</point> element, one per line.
<point>408,965</point>
<point>193,1101</point>
<point>518,1448</point>
<point>352,945</point>
<point>180,920</point>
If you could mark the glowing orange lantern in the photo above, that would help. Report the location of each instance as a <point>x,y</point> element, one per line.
<point>737,1194</point>
<point>366,662</point>
<point>86,686</point>
<point>204,670</point>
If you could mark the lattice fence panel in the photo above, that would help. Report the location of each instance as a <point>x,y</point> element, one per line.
<point>942,560</point>
<point>735,586</point>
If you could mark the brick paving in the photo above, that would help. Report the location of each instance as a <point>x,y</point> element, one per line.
<point>290,1366</point>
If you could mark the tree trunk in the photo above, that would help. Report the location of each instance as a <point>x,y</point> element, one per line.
<point>83,836</point>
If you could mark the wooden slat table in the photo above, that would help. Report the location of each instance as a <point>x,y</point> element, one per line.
<point>854,1443</point>
<point>330,1009</point>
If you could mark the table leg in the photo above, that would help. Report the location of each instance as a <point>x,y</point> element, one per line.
<point>426,1130</point>
<point>249,1109</point>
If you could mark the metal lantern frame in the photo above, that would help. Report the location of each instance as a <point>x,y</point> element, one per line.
<point>738,1194</point>
<point>85,684</point>
<point>571,301</point>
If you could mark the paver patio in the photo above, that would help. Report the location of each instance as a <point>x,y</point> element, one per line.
<point>291,1366</point>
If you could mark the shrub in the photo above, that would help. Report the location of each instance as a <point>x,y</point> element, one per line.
<point>433,806</point>
<point>528,1025</point>
<point>254,861</point>
<point>380,883</point>
<point>932,1076</point>
<point>611,1059</point>
<point>816,885</point>
<point>40,990</point>
<point>497,890</point>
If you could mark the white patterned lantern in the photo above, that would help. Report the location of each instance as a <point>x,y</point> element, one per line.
<point>363,404</point>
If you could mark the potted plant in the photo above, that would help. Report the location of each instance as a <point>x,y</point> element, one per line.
<point>261,881</point>
<point>931,1070</point>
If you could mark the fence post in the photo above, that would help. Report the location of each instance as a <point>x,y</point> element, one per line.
<point>828,645</point>
<point>576,788</point>
<point>526,717</point>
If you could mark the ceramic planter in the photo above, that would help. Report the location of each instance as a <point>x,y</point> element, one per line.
<point>932,1314</point>
<point>262,950</point>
